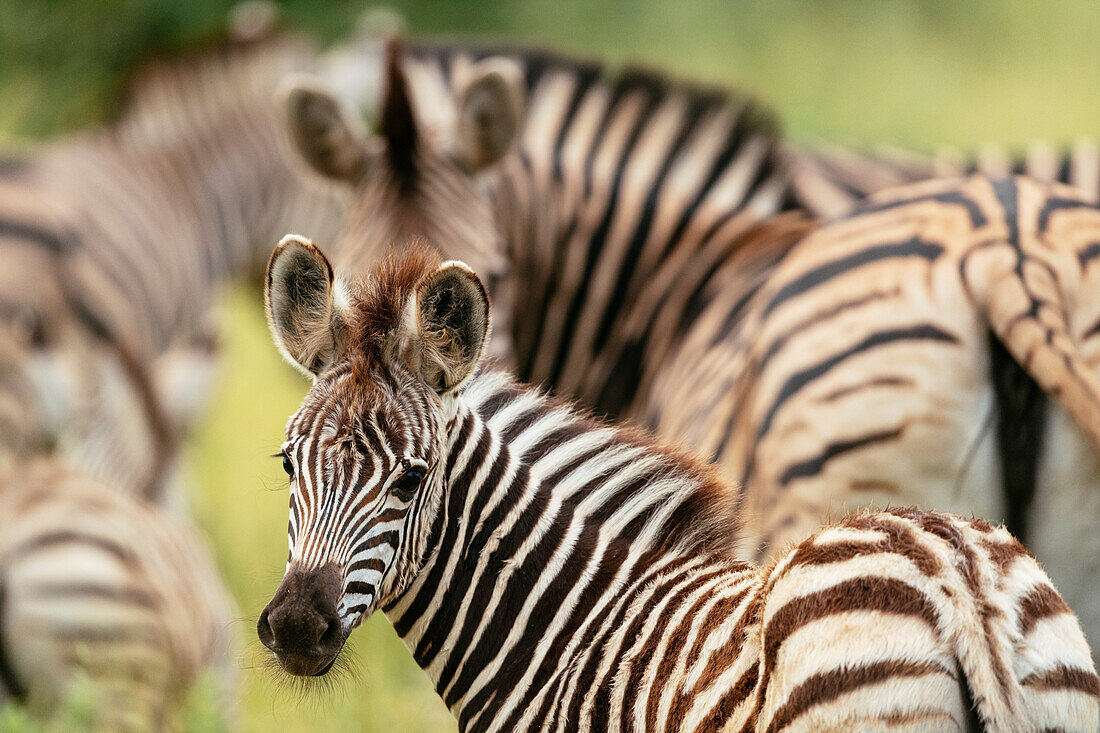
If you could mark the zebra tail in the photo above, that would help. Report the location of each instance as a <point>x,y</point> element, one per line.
<point>1026,311</point>
<point>981,632</point>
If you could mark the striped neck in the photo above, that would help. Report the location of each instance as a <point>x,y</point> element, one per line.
<point>549,519</point>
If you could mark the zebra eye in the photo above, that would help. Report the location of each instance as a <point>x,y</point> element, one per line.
<point>288,465</point>
<point>407,483</point>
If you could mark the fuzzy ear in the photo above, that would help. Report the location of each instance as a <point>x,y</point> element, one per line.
<point>452,323</point>
<point>490,113</point>
<point>320,131</point>
<point>303,303</point>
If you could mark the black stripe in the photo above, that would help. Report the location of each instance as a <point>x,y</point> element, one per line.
<point>1053,204</point>
<point>1088,254</point>
<point>626,267</point>
<point>36,234</point>
<point>977,218</point>
<point>598,240</point>
<point>915,247</point>
<point>800,379</point>
<point>813,466</point>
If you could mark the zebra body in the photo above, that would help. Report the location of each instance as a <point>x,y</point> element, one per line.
<point>831,181</point>
<point>906,354</point>
<point>116,242</point>
<point>552,572</point>
<point>598,204</point>
<point>95,584</point>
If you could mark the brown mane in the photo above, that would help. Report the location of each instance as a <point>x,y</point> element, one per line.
<point>379,299</point>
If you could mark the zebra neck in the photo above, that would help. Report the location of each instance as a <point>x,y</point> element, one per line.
<point>549,518</point>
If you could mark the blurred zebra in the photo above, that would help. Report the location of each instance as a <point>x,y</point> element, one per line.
<point>549,571</point>
<point>906,354</point>
<point>830,181</point>
<point>116,241</point>
<point>99,587</point>
<point>598,204</point>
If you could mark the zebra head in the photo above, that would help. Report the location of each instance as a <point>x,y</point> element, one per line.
<point>365,452</point>
<point>424,175</point>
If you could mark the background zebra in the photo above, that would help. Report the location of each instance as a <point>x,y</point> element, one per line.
<point>97,586</point>
<point>552,572</point>
<point>598,214</point>
<point>116,241</point>
<point>830,181</point>
<point>904,354</point>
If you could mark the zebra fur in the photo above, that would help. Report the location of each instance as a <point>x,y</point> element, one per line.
<point>117,240</point>
<point>96,585</point>
<point>552,572</point>
<point>863,373</point>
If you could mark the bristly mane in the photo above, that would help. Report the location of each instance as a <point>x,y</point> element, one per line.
<point>378,301</point>
<point>398,120</point>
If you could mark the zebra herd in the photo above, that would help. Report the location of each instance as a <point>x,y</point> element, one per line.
<point>655,252</point>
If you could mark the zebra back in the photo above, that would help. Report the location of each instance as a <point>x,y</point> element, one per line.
<point>830,181</point>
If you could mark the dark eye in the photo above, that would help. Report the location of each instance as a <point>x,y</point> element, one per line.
<point>288,465</point>
<point>408,482</point>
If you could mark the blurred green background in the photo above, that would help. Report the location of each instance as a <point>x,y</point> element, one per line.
<point>916,73</point>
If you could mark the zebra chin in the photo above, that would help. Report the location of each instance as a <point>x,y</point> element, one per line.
<point>301,624</point>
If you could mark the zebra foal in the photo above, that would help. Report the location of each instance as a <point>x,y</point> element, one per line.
<point>549,571</point>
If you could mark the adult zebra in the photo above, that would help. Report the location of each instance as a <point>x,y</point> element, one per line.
<point>831,181</point>
<point>907,353</point>
<point>597,204</point>
<point>115,242</point>
<point>98,587</point>
<point>553,572</point>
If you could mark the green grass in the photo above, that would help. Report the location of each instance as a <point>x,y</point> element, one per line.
<point>915,73</point>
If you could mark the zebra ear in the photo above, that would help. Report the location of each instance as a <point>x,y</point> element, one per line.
<point>320,131</point>
<point>490,113</point>
<point>452,323</point>
<point>303,302</point>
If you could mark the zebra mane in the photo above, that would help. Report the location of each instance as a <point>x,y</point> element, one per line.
<point>378,301</point>
<point>620,81</point>
<point>706,519</point>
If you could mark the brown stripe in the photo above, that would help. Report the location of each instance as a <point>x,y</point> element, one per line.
<point>1042,602</point>
<point>826,686</point>
<point>1062,678</point>
<point>883,595</point>
<point>725,708</point>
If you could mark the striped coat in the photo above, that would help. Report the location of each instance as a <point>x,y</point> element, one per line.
<point>911,353</point>
<point>96,585</point>
<point>552,572</point>
<point>598,204</point>
<point>116,242</point>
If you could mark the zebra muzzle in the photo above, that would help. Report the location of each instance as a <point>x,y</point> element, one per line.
<point>301,624</point>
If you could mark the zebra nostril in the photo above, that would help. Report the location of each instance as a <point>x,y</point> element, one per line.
<point>332,636</point>
<point>263,630</point>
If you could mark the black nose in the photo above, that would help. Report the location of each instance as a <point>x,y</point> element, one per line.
<point>301,624</point>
